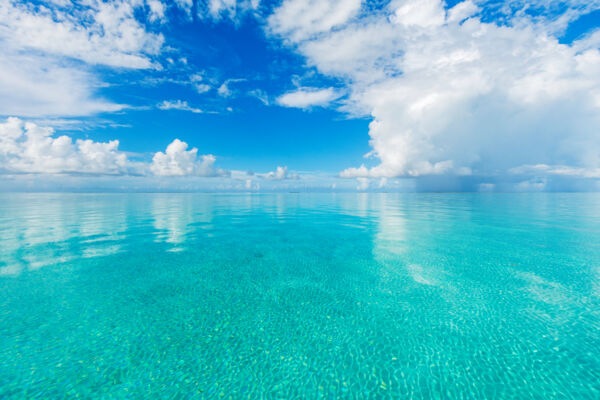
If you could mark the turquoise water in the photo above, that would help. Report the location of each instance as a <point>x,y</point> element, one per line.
<point>186,296</point>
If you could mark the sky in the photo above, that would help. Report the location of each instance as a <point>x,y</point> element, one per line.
<point>300,95</point>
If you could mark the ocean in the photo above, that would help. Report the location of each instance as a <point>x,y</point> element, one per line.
<point>185,296</point>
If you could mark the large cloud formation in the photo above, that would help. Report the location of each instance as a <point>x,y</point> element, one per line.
<point>55,53</point>
<point>451,92</point>
<point>49,52</point>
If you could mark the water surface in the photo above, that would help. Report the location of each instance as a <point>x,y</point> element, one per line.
<point>300,296</point>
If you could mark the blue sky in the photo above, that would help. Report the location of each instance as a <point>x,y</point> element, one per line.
<point>300,95</point>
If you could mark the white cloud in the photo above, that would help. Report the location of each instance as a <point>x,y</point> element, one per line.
<point>462,11</point>
<point>301,19</point>
<point>216,7</point>
<point>563,170</point>
<point>450,94</point>
<point>531,186</point>
<point>177,105</point>
<point>185,5</point>
<point>202,87</point>
<point>26,148</point>
<point>29,148</point>
<point>308,97</point>
<point>199,84</point>
<point>98,32</point>
<point>230,8</point>
<point>48,52</point>
<point>361,171</point>
<point>219,9</point>
<point>224,90</point>
<point>261,95</point>
<point>422,13</point>
<point>33,86</point>
<point>551,16</point>
<point>279,174</point>
<point>157,10</point>
<point>177,160</point>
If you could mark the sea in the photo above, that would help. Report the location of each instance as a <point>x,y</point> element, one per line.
<point>300,296</point>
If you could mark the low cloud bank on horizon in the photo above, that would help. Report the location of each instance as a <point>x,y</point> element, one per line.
<point>476,96</point>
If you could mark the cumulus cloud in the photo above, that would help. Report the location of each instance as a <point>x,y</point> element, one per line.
<point>308,97</point>
<point>279,174</point>
<point>29,148</point>
<point>181,105</point>
<point>177,160</point>
<point>26,148</point>
<point>450,93</point>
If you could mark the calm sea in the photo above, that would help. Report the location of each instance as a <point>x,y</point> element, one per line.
<point>185,296</point>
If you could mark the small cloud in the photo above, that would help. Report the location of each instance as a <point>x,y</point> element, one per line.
<point>177,105</point>
<point>260,95</point>
<point>308,97</point>
<point>225,90</point>
<point>281,173</point>
<point>531,186</point>
<point>202,87</point>
<point>157,10</point>
<point>360,172</point>
<point>564,170</point>
<point>177,160</point>
<point>199,83</point>
<point>233,9</point>
<point>302,19</point>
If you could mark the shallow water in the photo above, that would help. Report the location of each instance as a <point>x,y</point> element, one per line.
<point>300,296</point>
